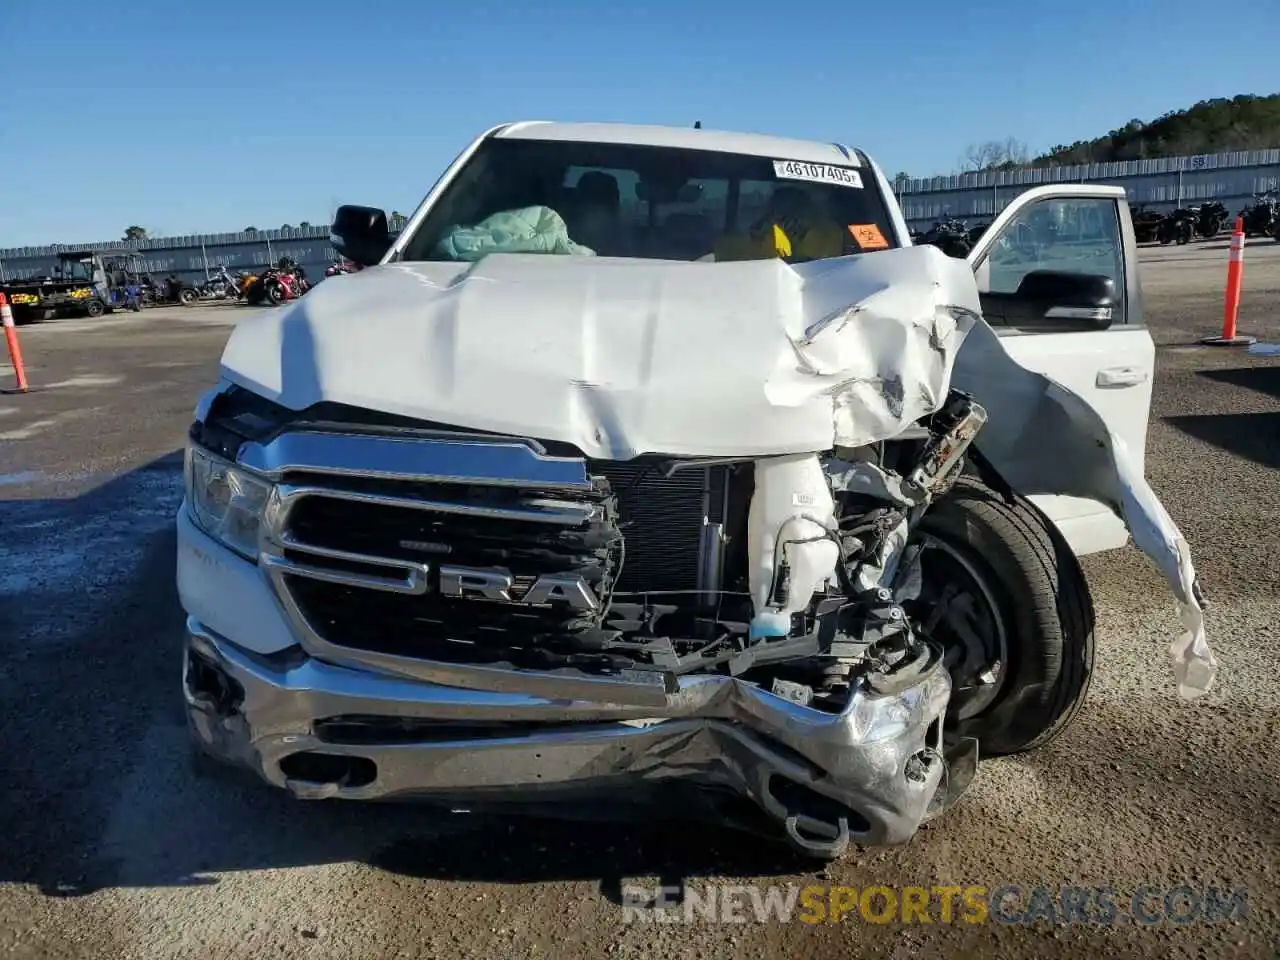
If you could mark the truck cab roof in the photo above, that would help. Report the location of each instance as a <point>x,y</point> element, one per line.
<point>688,138</point>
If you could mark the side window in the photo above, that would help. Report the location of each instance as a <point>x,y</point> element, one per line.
<point>1060,234</point>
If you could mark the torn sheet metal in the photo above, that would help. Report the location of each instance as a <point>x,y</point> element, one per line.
<point>624,357</point>
<point>869,479</point>
<point>1045,439</point>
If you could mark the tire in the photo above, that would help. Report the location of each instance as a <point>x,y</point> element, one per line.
<point>1039,606</point>
<point>94,308</point>
<point>275,294</point>
<point>187,296</point>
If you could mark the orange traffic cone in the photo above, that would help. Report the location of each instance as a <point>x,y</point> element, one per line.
<point>1231,305</point>
<point>11,341</point>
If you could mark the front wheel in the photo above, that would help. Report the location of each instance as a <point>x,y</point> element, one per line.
<point>1006,597</point>
<point>275,294</point>
<point>95,308</point>
<point>187,296</point>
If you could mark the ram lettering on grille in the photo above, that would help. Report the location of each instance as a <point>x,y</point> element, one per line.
<point>497,584</point>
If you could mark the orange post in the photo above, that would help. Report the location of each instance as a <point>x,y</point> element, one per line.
<point>1231,303</point>
<point>11,340</point>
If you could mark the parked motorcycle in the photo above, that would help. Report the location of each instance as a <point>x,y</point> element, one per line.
<point>1211,218</point>
<point>951,236</point>
<point>279,284</point>
<point>1146,223</point>
<point>220,286</point>
<point>1262,216</point>
<point>170,290</point>
<point>340,268</point>
<point>1178,227</point>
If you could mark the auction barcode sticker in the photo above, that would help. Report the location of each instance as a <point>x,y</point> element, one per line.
<point>816,173</point>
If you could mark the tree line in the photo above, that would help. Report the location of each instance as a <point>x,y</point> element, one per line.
<point>1245,122</point>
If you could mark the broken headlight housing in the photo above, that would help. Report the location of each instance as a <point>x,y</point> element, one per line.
<point>225,501</point>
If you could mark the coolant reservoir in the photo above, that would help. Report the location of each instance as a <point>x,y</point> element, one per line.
<point>789,550</point>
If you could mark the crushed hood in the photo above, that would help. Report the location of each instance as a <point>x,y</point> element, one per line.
<point>624,357</point>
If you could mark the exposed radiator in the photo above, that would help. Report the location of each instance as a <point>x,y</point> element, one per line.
<point>663,521</point>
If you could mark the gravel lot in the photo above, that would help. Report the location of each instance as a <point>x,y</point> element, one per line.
<point>114,850</point>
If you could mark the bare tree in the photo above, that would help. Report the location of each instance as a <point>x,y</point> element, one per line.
<point>995,155</point>
<point>1016,153</point>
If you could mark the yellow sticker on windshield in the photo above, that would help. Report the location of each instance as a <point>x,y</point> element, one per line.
<point>868,236</point>
<point>781,242</point>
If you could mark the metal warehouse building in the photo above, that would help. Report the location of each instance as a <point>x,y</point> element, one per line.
<point>1163,184</point>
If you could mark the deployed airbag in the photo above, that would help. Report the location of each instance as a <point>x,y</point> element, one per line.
<point>528,230</point>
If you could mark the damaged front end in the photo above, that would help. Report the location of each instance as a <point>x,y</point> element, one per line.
<point>482,621</point>
<point>653,569</point>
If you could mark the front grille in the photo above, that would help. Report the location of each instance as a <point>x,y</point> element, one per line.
<point>364,569</point>
<point>402,531</point>
<point>360,559</point>
<point>449,630</point>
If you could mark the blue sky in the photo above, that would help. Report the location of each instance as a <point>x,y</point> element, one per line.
<point>187,118</point>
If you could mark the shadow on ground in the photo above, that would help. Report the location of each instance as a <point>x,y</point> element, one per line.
<point>1253,436</point>
<point>1262,378</point>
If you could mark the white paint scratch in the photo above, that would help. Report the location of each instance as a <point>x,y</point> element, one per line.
<point>27,432</point>
<point>86,380</point>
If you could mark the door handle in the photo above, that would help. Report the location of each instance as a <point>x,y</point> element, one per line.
<point>1121,377</point>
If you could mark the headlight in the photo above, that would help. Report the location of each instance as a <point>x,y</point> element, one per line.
<point>226,501</point>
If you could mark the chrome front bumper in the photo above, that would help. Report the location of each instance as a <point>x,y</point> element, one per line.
<point>869,775</point>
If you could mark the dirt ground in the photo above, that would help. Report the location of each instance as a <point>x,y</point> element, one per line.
<point>114,850</point>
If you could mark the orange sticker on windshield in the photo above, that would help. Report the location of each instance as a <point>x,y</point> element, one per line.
<point>868,236</point>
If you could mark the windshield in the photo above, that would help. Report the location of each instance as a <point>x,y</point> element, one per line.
<point>647,202</point>
<point>77,269</point>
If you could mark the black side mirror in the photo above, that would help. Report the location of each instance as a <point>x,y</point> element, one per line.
<point>1052,300</point>
<point>360,234</point>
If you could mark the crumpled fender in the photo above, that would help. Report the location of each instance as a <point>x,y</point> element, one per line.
<point>1045,439</point>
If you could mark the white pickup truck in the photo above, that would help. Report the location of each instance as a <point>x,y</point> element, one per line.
<point>652,465</point>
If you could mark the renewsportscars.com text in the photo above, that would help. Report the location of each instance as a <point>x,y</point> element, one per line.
<point>972,904</point>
